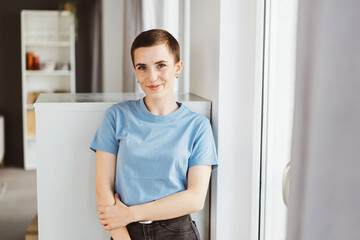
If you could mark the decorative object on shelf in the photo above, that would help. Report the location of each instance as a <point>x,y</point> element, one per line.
<point>29,60</point>
<point>48,66</point>
<point>64,66</point>
<point>32,63</point>
<point>36,64</point>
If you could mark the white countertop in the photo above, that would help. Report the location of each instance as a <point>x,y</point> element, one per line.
<point>96,101</point>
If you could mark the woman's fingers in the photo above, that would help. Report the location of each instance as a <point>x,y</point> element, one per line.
<point>113,216</point>
<point>107,227</point>
<point>104,222</point>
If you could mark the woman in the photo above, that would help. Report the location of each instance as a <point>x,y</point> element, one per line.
<point>153,153</point>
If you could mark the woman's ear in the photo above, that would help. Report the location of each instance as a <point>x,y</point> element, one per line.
<point>178,67</point>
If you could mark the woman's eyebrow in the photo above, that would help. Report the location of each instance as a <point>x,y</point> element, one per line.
<point>161,61</point>
<point>143,64</point>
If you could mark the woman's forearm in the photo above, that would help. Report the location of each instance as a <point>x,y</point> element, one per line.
<point>104,185</point>
<point>172,206</point>
<point>104,197</point>
<point>120,234</point>
<point>178,204</point>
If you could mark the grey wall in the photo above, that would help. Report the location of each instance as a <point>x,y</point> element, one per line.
<point>10,65</point>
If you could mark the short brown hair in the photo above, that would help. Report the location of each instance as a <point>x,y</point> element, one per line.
<point>155,37</point>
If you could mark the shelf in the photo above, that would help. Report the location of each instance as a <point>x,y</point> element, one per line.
<point>37,13</point>
<point>48,73</point>
<point>48,44</point>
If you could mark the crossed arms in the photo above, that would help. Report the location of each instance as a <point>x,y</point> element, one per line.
<point>114,215</point>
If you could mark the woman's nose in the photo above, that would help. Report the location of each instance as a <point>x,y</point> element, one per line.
<point>153,76</point>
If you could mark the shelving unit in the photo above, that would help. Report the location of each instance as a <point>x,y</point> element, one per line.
<point>49,44</point>
<point>47,73</point>
<point>50,35</point>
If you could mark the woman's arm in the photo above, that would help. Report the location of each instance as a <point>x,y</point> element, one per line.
<point>176,205</point>
<point>181,203</point>
<point>105,180</point>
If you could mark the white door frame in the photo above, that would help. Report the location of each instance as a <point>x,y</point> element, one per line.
<point>238,116</point>
<point>278,95</point>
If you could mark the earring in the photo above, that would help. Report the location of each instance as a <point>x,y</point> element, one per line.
<point>177,76</point>
<point>138,81</point>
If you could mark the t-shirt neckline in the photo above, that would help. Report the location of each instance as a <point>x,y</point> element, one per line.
<point>168,117</point>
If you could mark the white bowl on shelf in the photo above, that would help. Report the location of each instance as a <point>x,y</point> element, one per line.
<point>48,66</point>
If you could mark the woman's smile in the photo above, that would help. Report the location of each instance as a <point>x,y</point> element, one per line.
<point>154,87</point>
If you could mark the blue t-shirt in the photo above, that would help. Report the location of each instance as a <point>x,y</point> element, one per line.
<point>154,152</point>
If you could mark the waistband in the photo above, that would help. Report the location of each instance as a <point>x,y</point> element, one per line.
<point>182,218</point>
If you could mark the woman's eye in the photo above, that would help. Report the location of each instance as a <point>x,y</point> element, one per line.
<point>161,65</point>
<point>141,68</point>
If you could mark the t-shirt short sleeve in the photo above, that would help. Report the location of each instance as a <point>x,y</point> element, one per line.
<point>105,136</point>
<point>204,149</point>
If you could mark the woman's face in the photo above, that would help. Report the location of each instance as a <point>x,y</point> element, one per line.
<point>155,70</point>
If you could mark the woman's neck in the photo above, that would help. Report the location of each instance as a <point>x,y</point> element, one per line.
<point>161,106</point>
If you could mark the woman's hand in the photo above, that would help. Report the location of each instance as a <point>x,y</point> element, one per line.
<point>118,215</point>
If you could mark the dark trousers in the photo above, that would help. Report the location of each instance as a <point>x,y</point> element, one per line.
<point>181,228</point>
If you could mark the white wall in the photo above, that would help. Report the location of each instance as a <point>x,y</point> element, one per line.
<point>226,68</point>
<point>112,31</point>
<point>204,49</point>
<point>204,69</point>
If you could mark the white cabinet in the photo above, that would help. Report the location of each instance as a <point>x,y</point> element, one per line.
<point>48,65</point>
<point>66,125</point>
